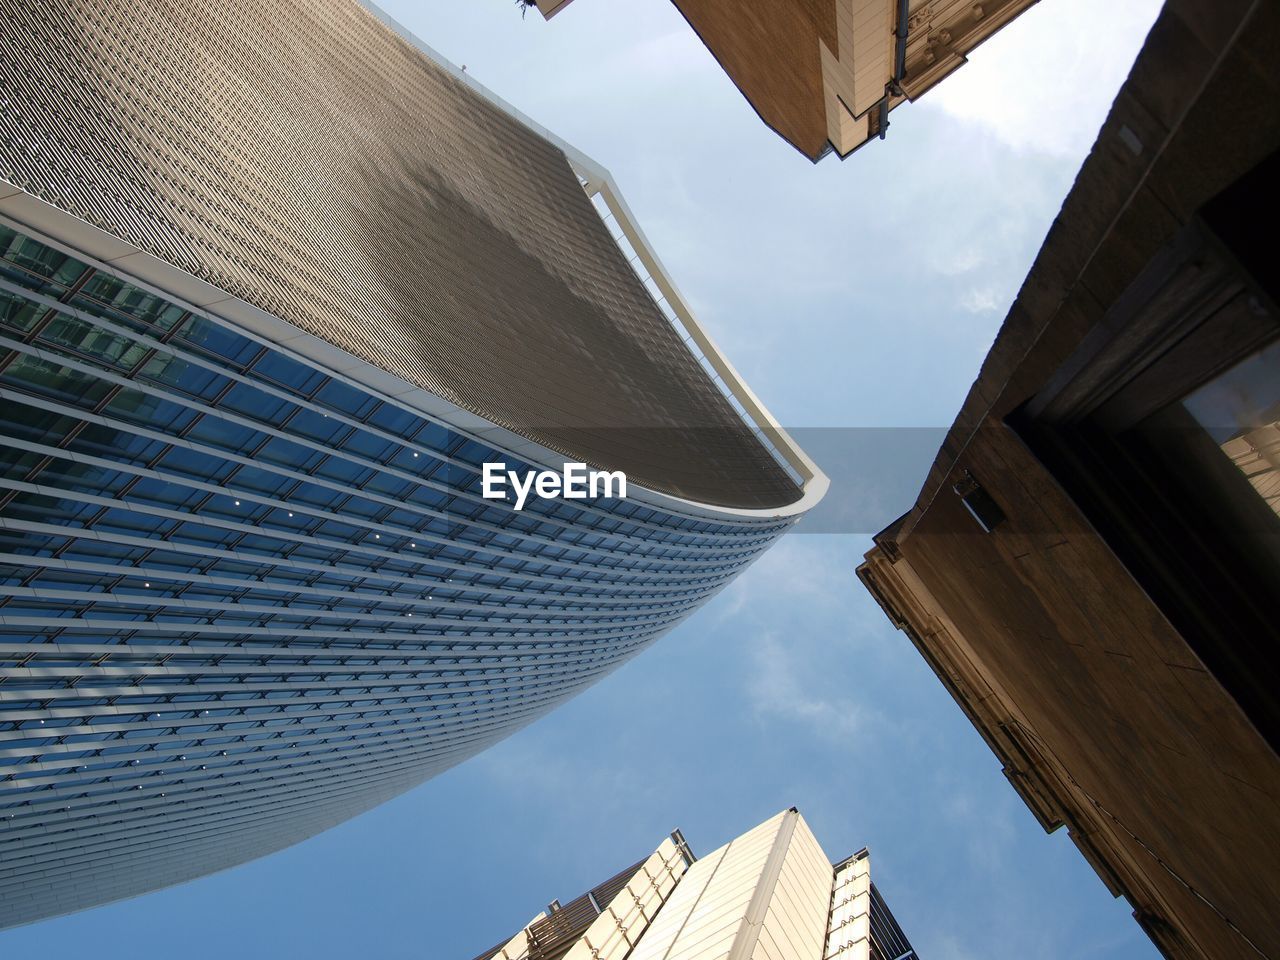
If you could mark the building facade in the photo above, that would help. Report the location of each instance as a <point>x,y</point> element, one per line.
<point>770,894</point>
<point>275,284</point>
<point>1090,564</point>
<point>824,74</point>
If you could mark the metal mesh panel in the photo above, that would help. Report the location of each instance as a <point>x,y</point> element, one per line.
<point>304,158</point>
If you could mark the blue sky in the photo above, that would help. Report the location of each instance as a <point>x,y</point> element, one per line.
<point>849,295</point>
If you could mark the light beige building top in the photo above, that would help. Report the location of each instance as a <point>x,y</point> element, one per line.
<point>770,894</point>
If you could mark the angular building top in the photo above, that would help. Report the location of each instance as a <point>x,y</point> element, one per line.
<point>311,164</point>
<point>770,894</point>
<point>824,74</point>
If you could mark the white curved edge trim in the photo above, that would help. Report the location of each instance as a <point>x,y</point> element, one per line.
<point>55,227</point>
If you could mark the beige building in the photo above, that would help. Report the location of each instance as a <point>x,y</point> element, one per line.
<point>824,74</point>
<point>770,894</point>
<point>1091,564</point>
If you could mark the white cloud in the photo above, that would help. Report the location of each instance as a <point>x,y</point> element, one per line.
<point>788,650</point>
<point>984,299</point>
<point>803,567</point>
<point>776,690</point>
<point>955,261</point>
<point>1045,82</point>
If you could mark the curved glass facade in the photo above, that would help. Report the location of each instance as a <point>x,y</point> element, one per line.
<point>242,600</point>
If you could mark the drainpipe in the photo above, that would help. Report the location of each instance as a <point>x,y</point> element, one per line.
<point>900,49</point>
<point>894,87</point>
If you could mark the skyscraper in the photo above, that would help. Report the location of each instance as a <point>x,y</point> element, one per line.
<point>275,286</point>
<point>770,894</point>
<point>824,74</point>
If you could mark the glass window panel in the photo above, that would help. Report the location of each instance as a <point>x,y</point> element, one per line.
<point>1240,410</point>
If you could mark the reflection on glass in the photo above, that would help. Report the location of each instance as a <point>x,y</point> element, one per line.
<point>1240,410</point>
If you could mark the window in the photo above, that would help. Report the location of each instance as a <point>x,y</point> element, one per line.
<point>1240,414</point>
<point>1163,427</point>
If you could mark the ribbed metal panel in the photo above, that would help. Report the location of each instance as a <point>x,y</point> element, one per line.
<point>888,942</point>
<point>304,158</point>
<point>242,600</point>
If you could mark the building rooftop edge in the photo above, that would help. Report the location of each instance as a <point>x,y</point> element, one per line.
<point>1107,185</point>
<point>599,181</point>
<point>58,228</point>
